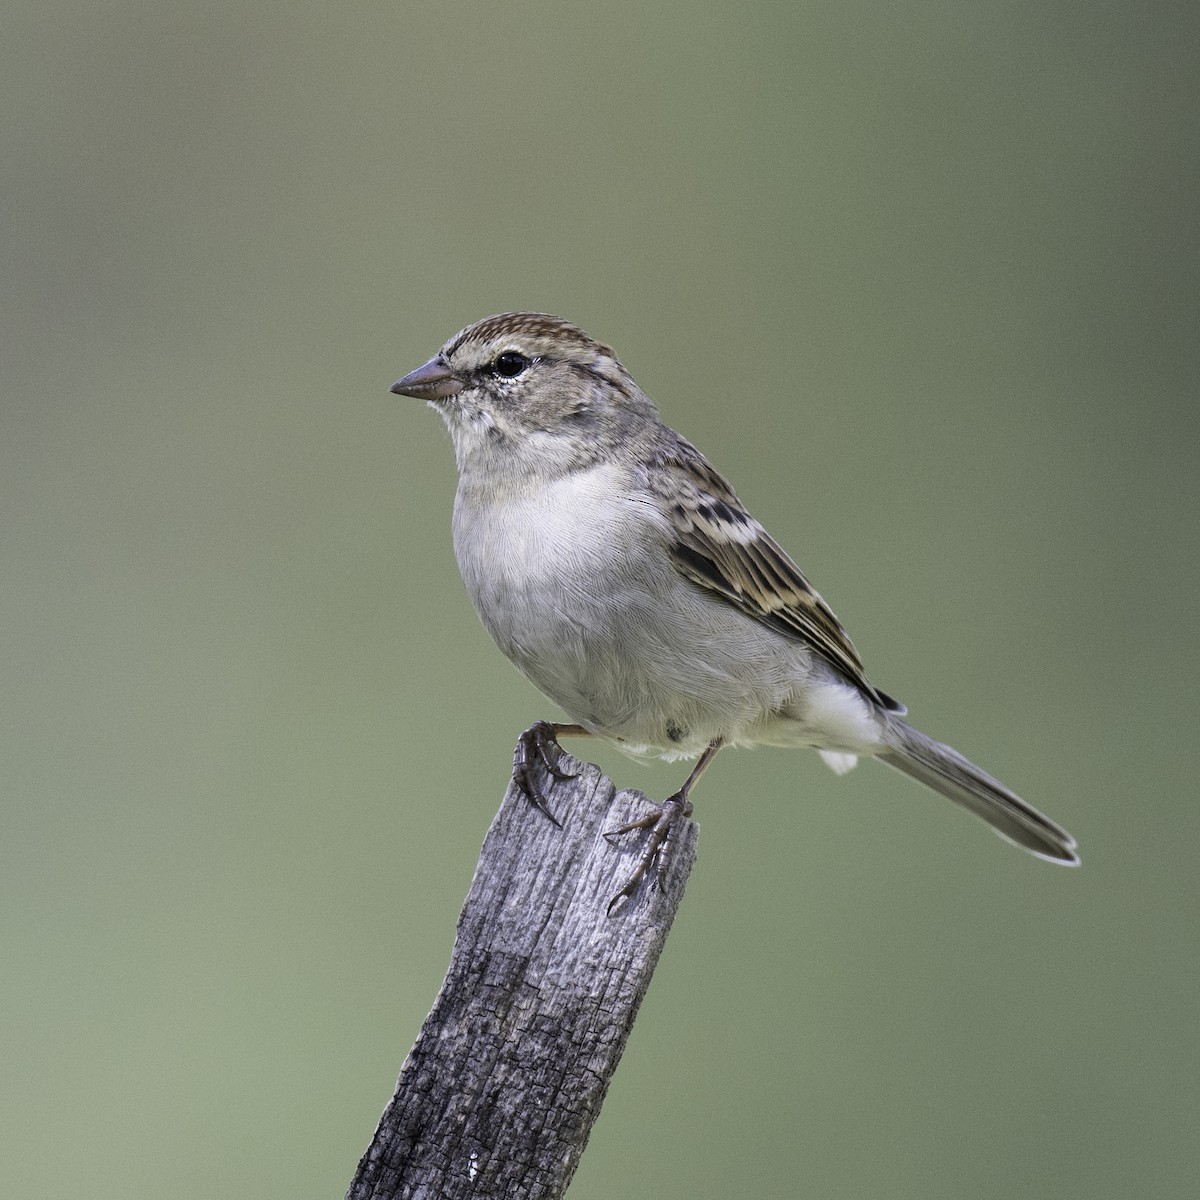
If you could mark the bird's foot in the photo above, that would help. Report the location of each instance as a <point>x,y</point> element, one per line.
<point>662,821</point>
<point>539,744</point>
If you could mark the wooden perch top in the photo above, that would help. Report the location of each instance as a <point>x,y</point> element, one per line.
<point>500,1091</point>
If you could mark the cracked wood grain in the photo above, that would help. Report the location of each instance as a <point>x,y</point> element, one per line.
<point>500,1092</point>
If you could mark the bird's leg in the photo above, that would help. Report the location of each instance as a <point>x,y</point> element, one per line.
<point>539,743</point>
<point>661,820</point>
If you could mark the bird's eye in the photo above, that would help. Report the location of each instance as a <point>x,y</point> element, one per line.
<point>510,364</point>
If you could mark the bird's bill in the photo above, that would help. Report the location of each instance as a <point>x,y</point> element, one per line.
<point>434,381</point>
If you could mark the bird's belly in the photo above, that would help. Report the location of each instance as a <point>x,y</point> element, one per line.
<point>616,669</point>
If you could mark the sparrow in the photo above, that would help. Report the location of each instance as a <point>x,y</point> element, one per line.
<point>621,574</point>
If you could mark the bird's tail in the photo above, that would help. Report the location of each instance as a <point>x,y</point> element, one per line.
<point>949,773</point>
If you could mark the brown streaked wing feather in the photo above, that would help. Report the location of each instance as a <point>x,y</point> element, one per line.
<point>721,547</point>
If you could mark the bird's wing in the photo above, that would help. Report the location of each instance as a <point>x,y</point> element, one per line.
<point>721,547</point>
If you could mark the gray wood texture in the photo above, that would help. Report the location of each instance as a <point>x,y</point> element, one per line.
<point>500,1092</point>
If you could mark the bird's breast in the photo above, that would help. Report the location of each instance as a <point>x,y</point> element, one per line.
<point>540,560</point>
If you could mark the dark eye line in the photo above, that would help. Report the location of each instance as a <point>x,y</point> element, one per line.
<point>611,379</point>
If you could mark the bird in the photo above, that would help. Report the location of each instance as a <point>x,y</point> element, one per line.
<point>622,575</point>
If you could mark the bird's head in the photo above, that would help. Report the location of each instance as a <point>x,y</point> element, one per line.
<point>528,390</point>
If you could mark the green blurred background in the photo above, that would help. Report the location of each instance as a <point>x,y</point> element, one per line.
<point>920,278</point>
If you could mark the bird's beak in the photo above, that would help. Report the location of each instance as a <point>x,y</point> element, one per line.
<point>434,381</point>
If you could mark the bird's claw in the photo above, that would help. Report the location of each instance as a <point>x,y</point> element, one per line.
<point>539,744</point>
<point>662,821</point>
